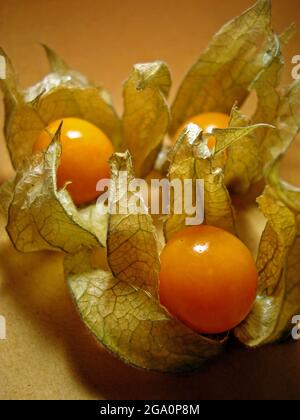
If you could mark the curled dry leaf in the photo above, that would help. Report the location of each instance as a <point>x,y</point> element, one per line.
<point>182,167</point>
<point>40,217</point>
<point>229,137</point>
<point>288,194</point>
<point>130,323</point>
<point>244,165</point>
<point>278,263</point>
<point>146,113</point>
<point>219,211</point>
<point>223,73</point>
<point>6,196</point>
<point>279,108</point>
<point>191,160</point>
<point>132,247</point>
<point>287,124</point>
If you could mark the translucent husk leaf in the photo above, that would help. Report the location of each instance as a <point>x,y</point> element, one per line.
<point>278,297</point>
<point>9,86</point>
<point>132,247</point>
<point>288,34</point>
<point>42,218</point>
<point>267,85</point>
<point>287,193</point>
<point>244,166</point>
<point>246,160</point>
<point>182,166</point>
<point>132,325</point>
<point>192,159</point>
<point>56,63</point>
<point>146,113</point>
<point>275,105</point>
<point>223,73</point>
<point>291,303</point>
<point>6,196</point>
<point>229,137</point>
<point>287,124</point>
<point>63,93</point>
<point>218,207</point>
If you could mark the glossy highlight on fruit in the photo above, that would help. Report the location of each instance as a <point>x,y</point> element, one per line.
<point>208,122</point>
<point>208,279</point>
<point>85,154</point>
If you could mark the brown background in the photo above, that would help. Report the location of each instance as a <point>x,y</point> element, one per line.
<point>48,353</point>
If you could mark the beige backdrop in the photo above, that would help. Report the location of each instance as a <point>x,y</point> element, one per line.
<point>48,353</point>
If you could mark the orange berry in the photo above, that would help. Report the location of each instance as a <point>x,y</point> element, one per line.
<point>85,154</point>
<point>208,279</point>
<point>208,122</point>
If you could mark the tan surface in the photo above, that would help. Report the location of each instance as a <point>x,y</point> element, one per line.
<point>48,353</point>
